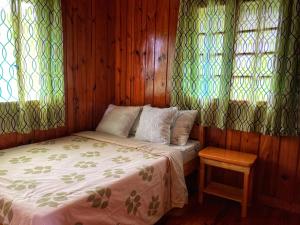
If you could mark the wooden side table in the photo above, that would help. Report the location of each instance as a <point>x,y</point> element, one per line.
<point>231,160</point>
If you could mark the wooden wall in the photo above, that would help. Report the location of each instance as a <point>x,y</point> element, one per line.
<point>89,63</point>
<point>89,67</point>
<point>145,38</point>
<point>145,35</point>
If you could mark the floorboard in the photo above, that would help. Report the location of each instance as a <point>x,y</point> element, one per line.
<point>216,211</point>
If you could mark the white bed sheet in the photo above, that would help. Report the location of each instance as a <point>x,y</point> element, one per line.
<point>188,151</point>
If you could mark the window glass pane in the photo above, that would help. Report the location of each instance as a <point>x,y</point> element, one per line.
<point>202,26</point>
<point>215,87</point>
<point>8,68</point>
<point>243,65</point>
<point>246,42</point>
<point>242,89</point>
<point>248,16</point>
<point>218,13</point>
<point>241,86</point>
<point>266,65</point>
<point>255,50</point>
<point>201,43</point>
<point>270,14</point>
<point>216,62</point>
<point>30,51</point>
<point>218,43</point>
<point>201,60</point>
<point>211,28</point>
<point>263,89</point>
<point>267,41</point>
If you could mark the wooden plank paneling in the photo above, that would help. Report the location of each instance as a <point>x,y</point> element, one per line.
<point>83,46</point>
<point>70,68</point>
<point>150,51</point>
<point>102,91</point>
<point>139,48</point>
<point>118,52</point>
<point>110,53</point>
<point>123,55</point>
<point>91,62</point>
<point>173,18</point>
<point>296,185</point>
<point>267,164</point>
<point>233,140</point>
<point>129,50</point>
<point>287,168</point>
<point>250,142</point>
<point>216,137</point>
<point>161,52</point>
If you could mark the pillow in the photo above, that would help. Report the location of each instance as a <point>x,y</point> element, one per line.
<point>182,127</point>
<point>118,120</point>
<point>136,124</point>
<point>155,124</point>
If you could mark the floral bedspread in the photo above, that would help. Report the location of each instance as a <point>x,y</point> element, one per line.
<point>89,179</point>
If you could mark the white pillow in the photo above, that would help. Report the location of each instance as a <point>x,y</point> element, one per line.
<point>155,124</point>
<point>136,123</point>
<point>118,120</point>
<point>182,127</point>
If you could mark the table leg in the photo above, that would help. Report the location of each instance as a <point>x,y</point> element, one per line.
<point>250,198</point>
<point>201,181</point>
<point>245,194</point>
<point>208,174</point>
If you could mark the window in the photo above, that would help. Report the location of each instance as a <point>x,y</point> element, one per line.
<point>236,62</point>
<point>26,38</point>
<point>31,65</point>
<point>255,56</point>
<point>211,35</point>
<point>8,68</point>
<point>254,59</point>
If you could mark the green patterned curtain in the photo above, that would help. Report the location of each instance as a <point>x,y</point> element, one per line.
<point>31,65</point>
<point>238,63</point>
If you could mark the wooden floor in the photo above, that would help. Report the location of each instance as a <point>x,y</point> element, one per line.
<point>216,211</point>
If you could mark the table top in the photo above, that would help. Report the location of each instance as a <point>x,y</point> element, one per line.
<point>228,156</point>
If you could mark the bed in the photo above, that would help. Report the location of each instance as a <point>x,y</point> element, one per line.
<point>91,178</point>
<point>189,154</point>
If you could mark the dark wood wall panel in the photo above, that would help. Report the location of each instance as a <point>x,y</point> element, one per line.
<point>144,56</point>
<point>146,32</point>
<point>89,59</point>
<point>90,70</point>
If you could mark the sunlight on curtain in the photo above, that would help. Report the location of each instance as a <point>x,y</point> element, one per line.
<point>31,65</point>
<point>29,45</point>
<point>255,50</point>
<point>8,68</point>
<point>237,63</point>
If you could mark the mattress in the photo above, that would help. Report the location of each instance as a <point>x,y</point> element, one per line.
<point>188,151</point>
